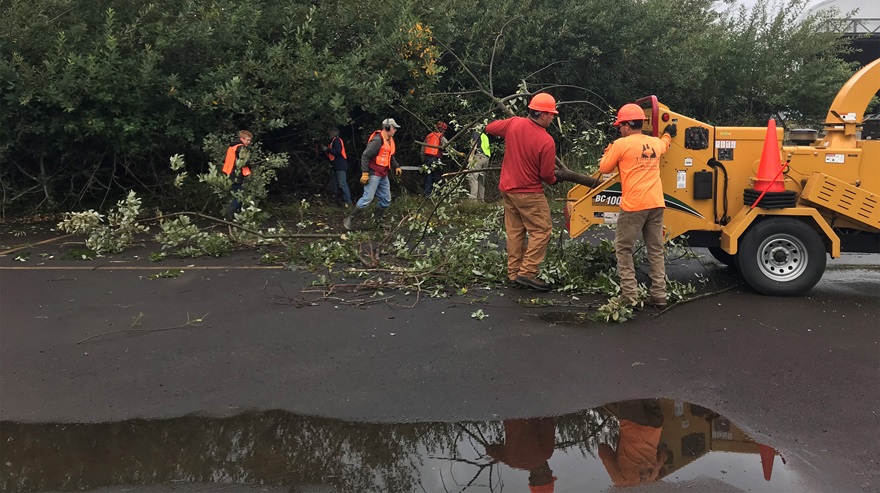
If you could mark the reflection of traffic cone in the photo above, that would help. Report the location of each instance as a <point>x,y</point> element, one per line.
<point>767,456</point>
<point>771,162</point>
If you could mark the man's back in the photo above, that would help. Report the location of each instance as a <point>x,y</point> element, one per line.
<point>637,157</point>
<point>529,155</point>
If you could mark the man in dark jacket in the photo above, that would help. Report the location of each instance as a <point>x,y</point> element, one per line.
<point>335,152</point>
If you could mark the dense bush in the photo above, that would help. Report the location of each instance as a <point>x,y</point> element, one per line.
<point>97,95</point>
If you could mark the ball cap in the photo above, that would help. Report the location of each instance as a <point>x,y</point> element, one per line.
<point>389,122</point>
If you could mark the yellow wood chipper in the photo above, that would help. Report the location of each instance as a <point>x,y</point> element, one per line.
<point>824,198</point>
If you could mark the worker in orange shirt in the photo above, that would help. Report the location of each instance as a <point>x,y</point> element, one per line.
<point>529,162</point>
<point>639,457</point>
<point>528,445</point>
<point>637,157</point>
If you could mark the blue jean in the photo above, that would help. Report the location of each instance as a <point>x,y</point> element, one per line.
<point>340,182</point>
<point>379,187</point>
<point>433,176</point>
<point>234,206</point>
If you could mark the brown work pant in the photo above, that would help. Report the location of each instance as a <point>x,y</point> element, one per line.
<point>650,224</point>
<point>526,213</point>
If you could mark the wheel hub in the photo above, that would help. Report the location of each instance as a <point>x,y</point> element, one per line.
<point>782,257</point>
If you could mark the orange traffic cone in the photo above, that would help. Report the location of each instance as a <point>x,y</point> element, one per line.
<point>771,163</point>
<point>767,456</point>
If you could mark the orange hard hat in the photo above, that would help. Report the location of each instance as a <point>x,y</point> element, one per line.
<point>441,126</point>
<point>629,113</point>
<point>543,102</point>
<point>544,488</point>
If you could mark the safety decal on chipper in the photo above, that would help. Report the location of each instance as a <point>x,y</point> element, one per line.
<point>607,217</point>
<point>612,195</point>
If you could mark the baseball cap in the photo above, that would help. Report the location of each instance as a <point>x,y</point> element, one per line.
<point>389,122</point>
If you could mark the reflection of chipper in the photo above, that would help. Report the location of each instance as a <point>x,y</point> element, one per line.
<point>681,434</point>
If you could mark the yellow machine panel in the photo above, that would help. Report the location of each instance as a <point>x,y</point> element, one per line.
<point>774,221</point>
<point>853,202</point>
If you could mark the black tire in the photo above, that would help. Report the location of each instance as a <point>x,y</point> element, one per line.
<point>781,256</point>
<point>723,257</point>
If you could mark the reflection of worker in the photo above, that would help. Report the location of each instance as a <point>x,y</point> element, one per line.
<point>335,152</point>
<point>529,160</point>
<point>478,159</point>
<point>431,154</point>
<point>637,156</point>
<point>376,162</point>
<point>235,166</point>
<point>639,456</point>
<point>528,445</point>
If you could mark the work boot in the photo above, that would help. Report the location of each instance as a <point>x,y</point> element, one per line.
<point>347,222</point>
<point>533,282</point>
<point>659,304</point>
<point>378,215</point>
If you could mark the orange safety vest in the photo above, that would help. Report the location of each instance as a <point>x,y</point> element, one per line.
<point>383,159</point>
<point>433,139</point>
<point>330,155</point>
<point>229,163</point>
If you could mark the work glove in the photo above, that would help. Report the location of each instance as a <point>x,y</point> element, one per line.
<point>365,177</point>
<point>671,129</point>
<point>398,171</point>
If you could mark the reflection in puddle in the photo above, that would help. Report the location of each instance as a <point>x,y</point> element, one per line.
<point>679,445</point>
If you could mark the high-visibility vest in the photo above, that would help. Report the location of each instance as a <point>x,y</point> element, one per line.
<point>433,139</point>
<point>484,145</point>
<point>229,163</point>
<point>383,159</point>
<point>330,155</point>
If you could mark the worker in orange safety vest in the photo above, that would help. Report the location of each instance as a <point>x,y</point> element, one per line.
<point>432,154</point>
<point>235,166</point>
<point>338,158</point>
<point>377,161</point>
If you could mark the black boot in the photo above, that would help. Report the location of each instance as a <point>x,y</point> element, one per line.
<point>378,215</point>
<point>347,222</point>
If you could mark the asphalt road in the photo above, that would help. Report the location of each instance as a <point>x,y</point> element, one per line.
<point>799,374</point>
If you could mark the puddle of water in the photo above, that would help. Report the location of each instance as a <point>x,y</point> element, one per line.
<point>565,318</point>
<point>663,444</point>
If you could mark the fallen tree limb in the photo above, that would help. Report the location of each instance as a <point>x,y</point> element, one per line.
<point>247,230</point>
<point>468,171</point>
<point>29,245</point>
<point>189,323</point>
<point>571,176</point>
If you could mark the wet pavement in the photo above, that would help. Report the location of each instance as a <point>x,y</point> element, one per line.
<point>102,371</point>
<point>638,442</point>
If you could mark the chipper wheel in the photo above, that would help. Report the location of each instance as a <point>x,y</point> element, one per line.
<point>781,256</point>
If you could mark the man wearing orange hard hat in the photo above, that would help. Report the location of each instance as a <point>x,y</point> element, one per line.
<point>637,157</point>
<point>529,162</point>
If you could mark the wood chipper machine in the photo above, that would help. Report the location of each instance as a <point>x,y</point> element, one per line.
<point>773,218</point>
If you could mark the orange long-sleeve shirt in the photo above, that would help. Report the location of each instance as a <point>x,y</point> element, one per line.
<point>638,159</point>
<point>636,460</point>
